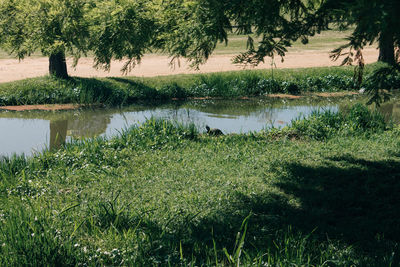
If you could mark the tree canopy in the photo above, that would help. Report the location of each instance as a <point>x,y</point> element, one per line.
<point>122,30</point>
<point>119,29</point>
<point>54,27</point>
<point>196,26</point>
<point>126,29</point>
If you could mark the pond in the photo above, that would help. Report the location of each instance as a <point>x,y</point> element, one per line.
<point>29,132</point>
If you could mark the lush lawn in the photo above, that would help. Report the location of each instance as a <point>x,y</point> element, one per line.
<point>323,192</point>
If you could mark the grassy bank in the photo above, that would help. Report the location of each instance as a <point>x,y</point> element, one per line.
<point>121,91</point>
<point>323,192</point>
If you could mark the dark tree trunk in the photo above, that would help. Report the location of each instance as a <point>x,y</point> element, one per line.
<point>58,66</point>
<point>386,48</point>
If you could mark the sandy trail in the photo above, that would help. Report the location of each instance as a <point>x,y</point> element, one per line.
<point>156,65</point>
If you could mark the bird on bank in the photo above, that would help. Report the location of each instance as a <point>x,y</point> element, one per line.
<point>213,131</point>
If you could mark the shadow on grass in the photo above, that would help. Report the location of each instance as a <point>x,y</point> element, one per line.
<point>138,90</point>
<point>94,90</point>
<point>357,205</point>
<point>114,91</point>
<point>351,201</point>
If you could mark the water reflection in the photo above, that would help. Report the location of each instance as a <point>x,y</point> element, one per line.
<point>26,132</point>
<point>58,133</point>
<point>88,124</point>
<point>391,111</point>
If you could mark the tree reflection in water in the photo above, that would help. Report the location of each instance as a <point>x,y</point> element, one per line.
<point>58,133</point>
<point>391,111</point>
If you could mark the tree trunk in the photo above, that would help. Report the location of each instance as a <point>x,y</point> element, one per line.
<point>58,65</point>
<point>386,47</point>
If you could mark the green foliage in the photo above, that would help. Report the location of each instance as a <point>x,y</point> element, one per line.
<point>110,29</point>
<point>190,29</point>
<point>321,125</point>
<point>120,30</point>
<point>361,119</point>
<point>48,26</point>
<point>173,91</point>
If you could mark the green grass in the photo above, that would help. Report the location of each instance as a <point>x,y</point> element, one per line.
<point>120,91</point>
<point>164,194</point>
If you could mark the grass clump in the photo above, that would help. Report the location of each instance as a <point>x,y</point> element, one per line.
<point>320,125</point>
<point>33,230</point>
<point>165,194</point>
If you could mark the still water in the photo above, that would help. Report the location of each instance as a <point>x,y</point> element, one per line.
<point>32,131</point>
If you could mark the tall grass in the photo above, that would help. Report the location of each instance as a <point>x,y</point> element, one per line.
<point>163,194</point>
<point>121,91</point>
<point>320,125</point>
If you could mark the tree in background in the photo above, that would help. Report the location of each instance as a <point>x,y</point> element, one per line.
<point>111,29</point>
<point>194,27</point>
<point>374,21</point>
<point>53,27</point>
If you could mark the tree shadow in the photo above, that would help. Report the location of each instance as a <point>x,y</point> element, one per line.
<point>138,90</point>
<point>126,81</point>
<point>114,91</point>
<point>350,200</point>
<point>355,203</point>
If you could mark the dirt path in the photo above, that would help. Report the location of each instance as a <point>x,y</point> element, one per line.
<point>50,107</point>
<point>155,65</point>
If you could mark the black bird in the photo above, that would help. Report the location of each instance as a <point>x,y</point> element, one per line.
<point>214,131</point>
